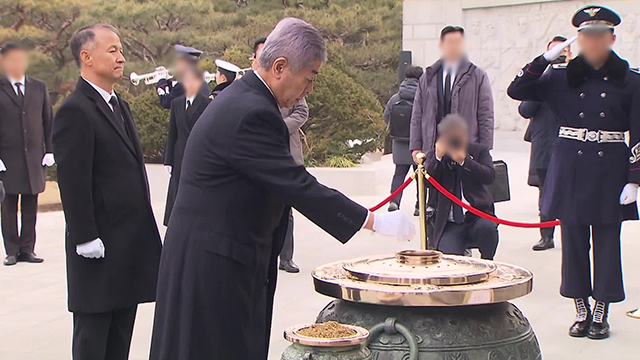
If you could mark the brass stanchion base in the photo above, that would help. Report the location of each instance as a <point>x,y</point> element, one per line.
<point>634,314</point>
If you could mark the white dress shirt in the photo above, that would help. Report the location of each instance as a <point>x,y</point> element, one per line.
<point>189,102</point>
<point>103,93</point>
<point>449,68</point>
<point>15,88</point>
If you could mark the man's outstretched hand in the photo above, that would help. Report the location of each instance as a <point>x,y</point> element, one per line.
<point>392,224</point>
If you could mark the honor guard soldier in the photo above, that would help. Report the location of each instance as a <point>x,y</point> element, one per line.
<point>593,176</point>
<point>226,73</point>
<point>167,88</point>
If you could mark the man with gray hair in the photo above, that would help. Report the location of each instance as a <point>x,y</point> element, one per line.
<point>238,183</point>
<point>466,170</point>
<point>112,240</point>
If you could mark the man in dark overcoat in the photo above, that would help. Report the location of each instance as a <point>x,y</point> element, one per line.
<point>593,176</point>
<point>238,183</point>
<point>25,149</point>
<point>112,240</point>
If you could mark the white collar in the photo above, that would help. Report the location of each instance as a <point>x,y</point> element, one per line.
<point>190,100</point>
<point>103,93</point>
<point>452,66</point>
<point>265,84</point>
<point>13,81</point>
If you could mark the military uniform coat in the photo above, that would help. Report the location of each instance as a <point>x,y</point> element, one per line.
<point>25,136</point>
<point>181,122</point>
<point>585,178</point>
<point>219,264</point>
<point>105,194</point>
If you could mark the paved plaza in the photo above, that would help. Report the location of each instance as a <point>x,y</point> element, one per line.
<point>35,325</point>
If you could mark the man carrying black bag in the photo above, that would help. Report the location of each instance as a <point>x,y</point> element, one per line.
<point>397,115</point>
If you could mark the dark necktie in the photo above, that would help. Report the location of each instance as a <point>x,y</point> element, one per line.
<point>20,92</point>
<point>118,113</point>
<point>447,92</point>
<point>458,216</point>
<point>188,104</point>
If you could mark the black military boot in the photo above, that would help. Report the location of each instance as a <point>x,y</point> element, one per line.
<point>599,327</point>
<point>580,328</point>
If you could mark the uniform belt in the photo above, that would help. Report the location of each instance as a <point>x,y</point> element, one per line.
<point>585,135</point>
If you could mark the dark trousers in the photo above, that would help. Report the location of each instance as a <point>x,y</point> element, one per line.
<point>478,234</point>
<point>25,241</point>
<point>399,177</point>
<point>103,336</point>
<point>286,254</point>
<point>545,233</point>
<point>607,266</point>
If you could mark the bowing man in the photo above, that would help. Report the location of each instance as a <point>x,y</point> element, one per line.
<point>185,111</point>
<point>239,181</point>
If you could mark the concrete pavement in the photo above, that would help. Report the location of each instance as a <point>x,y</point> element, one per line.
<point>34,323</point>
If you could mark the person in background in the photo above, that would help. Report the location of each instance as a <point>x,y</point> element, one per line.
<point>25,149</point>
<point>112,241</point>
<point>226,73</point>
<point>397,115</point>
<point>543,133</point>
<point>593,177</point>
<point>169,89</point>
<point>185,111</point>
<point>466,170</point>
<point>257,47</point>
<point>453,84</point>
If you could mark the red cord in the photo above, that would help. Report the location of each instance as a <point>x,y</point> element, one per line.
<point>487,216</point>
<point>394,194</point>
<point>466,206</point>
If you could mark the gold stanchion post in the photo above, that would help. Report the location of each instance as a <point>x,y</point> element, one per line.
<point>422,199</point>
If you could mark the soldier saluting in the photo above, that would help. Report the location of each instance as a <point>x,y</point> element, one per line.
<point>593,176</point>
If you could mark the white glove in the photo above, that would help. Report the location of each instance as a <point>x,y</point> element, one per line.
<point>2,167</point>
<point>394,224</point>
<point>48,160</point>
<point>557,50</point>
<point>93,249</point>
<point>160,92</point>
<point>629,194</point>
<point>168,168</point>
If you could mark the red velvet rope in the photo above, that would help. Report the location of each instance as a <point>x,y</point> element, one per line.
<point>466,206</point>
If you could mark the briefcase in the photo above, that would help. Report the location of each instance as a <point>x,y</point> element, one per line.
<point>500,185</point>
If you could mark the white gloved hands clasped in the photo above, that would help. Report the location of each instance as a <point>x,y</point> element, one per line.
<point>93,249</point>
<point>629,194</point>
<point>169,168</point>
<point>2,167</point>
<point>394,224</point>
<point>557,50</point>
<point>48,160</point>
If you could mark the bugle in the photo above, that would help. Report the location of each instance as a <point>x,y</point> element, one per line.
<point>152,77</point>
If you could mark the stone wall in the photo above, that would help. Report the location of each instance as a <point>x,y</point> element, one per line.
<point>504,35</point>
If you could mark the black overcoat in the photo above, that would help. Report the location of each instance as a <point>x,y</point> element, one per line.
<point>219,265</point>
<point>25,136</point>
<point>181,122</point>
<point>585,178</point>
<point>105,194</point>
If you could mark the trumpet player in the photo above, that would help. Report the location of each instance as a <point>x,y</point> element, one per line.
<point>225,75</point>
<point>169,89</point>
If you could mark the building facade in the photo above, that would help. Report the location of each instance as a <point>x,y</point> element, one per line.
<point>503,35</point>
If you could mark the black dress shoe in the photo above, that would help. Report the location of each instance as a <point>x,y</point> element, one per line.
<point>598,331</point>
<point>30,258</point>
<point>580,328</point>
<point>289,266</point>
<point>10,260</point>
<point>393,207</point>
<point>544,244</point>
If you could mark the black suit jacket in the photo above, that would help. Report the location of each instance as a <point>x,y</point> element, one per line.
<point>25,136</point>
<point>218,269</point>
<point>181,122</point>
<point>104,191</point>
<point>476,174</point>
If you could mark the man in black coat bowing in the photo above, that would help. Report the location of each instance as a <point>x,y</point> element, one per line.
<point>238,183</point>
<point>112,241</point>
